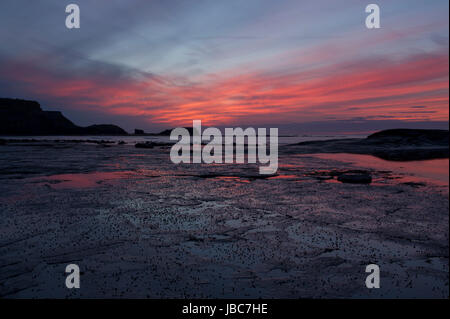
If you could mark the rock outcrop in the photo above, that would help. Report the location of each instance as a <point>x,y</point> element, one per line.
<point>355,178</point>
<point>168,131</point>
<point>394,145</point>
<point>23,117</point>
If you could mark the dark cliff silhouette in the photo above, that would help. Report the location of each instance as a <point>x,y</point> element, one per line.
<point>411,137</point>
<point>22,117</point>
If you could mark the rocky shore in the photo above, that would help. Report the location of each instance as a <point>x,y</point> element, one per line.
<point>394,145</point>
<point>141,227</point>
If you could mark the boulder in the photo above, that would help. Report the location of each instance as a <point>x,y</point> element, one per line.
<point>355,178</point>
<point>145,145</point>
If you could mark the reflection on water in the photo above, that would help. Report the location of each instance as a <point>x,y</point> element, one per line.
<point>291,169</point>
<point>235,179</point>
<point>132,139</point>
<point>288,176</point>
<point>434,171</point>
<point>86,180</point>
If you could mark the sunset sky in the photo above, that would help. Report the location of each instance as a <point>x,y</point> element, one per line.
<point>298,65</point>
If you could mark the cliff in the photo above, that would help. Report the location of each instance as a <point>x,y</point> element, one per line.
<point>22,117</point>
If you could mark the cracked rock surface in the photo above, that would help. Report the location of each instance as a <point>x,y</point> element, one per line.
<point>139,226</point>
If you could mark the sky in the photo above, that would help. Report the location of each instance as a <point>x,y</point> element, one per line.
<point>302,66</point>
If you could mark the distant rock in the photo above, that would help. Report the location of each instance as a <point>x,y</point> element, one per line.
<point>354,178</point>
<point>103,129</point>
<point>168,131</point>
<point>411,137</point>
<point>392,145</point>
<point>139,132</point>
<point>165,132</point>
<point>144,145</point>
<point>22,117</point>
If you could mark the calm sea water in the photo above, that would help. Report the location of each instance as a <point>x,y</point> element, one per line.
<point>434,171</point>
<point>134,139</point>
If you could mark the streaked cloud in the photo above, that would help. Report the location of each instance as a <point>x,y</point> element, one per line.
<point>170,62</point>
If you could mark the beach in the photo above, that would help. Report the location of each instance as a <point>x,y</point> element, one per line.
<point>140,226</point>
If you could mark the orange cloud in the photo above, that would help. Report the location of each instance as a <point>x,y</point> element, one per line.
<point>371,88</point>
